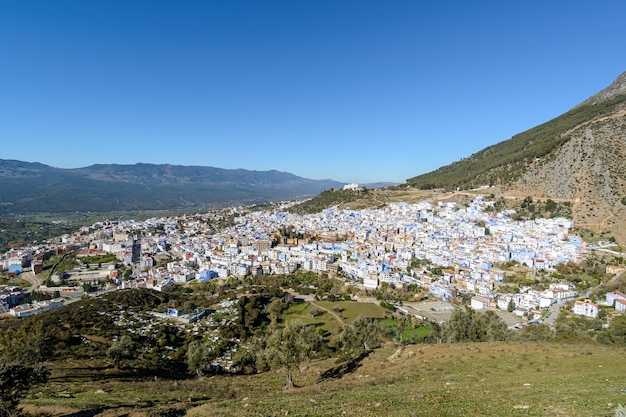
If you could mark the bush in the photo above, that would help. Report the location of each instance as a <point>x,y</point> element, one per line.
<point>387,305</point>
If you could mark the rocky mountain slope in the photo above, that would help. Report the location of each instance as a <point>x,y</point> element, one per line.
<point>579,156</point>
<point>589,168</point>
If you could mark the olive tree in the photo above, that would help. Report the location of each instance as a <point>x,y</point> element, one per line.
<point>289,347</point>
<point>15,381</point>
<point>360,337</point>
<point>467,325</point>
<point>122,348</point>
<point>22,352</point>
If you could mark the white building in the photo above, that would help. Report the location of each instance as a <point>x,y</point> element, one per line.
<point>585,308</point>
<point>479,303</point>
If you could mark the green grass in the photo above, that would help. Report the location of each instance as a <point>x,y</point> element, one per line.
<point>418,333</point>
<point>483,379</point>
<point>350,310</point>
<point>15,281</point>
<point>330,318</point>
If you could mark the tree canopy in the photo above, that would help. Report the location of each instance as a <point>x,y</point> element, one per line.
<point>122,348</point>
<point>22,352</point>
<point>360,337</point>
<point>467,325</point>
<point>290,346</point>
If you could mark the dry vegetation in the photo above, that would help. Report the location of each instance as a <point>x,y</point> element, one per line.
<point>481,379</point>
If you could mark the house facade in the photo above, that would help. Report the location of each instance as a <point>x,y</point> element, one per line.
<point>585,308</point>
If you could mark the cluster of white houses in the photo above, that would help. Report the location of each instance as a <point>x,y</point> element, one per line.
<point>26,310</point>
<point>398,245</point>
<point>369,247</point>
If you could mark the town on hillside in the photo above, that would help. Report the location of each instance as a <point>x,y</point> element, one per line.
<point>447,250</point>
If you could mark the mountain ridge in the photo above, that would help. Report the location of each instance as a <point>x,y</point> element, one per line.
<point>616,88</point>
<point>36,187</point>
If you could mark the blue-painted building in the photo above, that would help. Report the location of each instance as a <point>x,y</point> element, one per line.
<point>17,269</point>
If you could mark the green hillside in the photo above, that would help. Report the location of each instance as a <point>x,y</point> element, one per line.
<point>329,198</point>
<point>173,369</point>
<point>507,160</point>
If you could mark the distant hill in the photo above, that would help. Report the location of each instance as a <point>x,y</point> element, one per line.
<point>35,187</point>
<point>579,156</point>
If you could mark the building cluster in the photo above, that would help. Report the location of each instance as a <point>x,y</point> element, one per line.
<point>26,310</point>
<point>367,247</point>
<point>10,297</point>
<point>446,248</point>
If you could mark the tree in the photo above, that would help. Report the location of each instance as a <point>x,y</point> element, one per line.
<point>289,347</point>
<point>494,328</point>
<point>21,352</point>
<point>29,344</point>
<point>457,328</point>
<point>360,337</point>
<point>466,325</point>
<point>122,348</point>
<point>15,381</point>
<point>249,358</point>
<point>536,333</point>
<point>576,328</point>
<point>511,306</point>
<point>274,309</point>
<point>616,333</point>
<point>200,356</point>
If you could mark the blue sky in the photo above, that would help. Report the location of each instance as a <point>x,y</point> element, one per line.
<point>356,91</point>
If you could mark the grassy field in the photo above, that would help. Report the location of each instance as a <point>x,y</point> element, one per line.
<point>487,379</point>
<point>332,315</point>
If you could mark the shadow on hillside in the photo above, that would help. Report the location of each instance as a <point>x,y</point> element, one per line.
<point>84,413</point>
<point>339,371</point>
<point>126,373</point>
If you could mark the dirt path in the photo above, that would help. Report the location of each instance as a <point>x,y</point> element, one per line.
<point>332,313</point>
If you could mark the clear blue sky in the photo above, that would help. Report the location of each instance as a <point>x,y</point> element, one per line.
<point>357,91</point>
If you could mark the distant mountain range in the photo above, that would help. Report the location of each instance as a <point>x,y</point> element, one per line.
<point>35,187</point>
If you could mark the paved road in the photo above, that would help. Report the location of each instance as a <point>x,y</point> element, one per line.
<point>28,275</point>
<point>551,316</point>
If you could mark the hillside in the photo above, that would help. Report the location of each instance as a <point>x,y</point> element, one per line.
<point>579,156</point>
<point>491,379</point>
<point>34,187</point>
<point>568,371</point>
